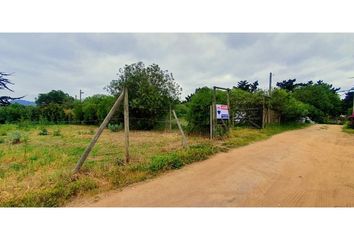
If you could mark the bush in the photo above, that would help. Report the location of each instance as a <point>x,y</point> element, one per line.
<point>165,162</point>
<point>43,132</point>
<point>115,127</point>
<point>57,133</point>
<point>289,107</point>
<point>15,137</point>
<point>198,116</point>
<point>179,158</point>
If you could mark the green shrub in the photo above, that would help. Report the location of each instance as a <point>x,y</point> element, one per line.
<point>179,158</point>
<point>43,132</point>
<point>56,133</point>
<point>165,162</point>
<point>24,124</point>
<point>14,137</point>
<point>198,116</point>
<point>2,140</point>
<point>115,127</point>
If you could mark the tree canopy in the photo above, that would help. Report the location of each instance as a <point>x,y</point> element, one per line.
<point>246,86</point>
<point>4,82</point>
<point>151,91</point>
<point>54,96</point>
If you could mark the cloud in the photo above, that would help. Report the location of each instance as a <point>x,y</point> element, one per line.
<point>89,61</point>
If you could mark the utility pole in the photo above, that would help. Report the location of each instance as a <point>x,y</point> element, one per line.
<point>270,92</point>
<point>270,83</point>
<point>81,92</point>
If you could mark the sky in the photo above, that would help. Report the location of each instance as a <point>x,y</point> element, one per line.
<point>41,62</point>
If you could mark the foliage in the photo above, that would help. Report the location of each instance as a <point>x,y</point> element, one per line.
<point>288,85</point>
<point>115,127</point>
<point>93,109</point>
<point>240,99</point>
<point>246,86</point>
<point>43,132</point>
<point>323,99</point>
<point>289,107</point>
<point>57,133</point>
<point>198,116</point>
<point>348,103</point>
<point>165,162</point>
<point>4,82</point>
<point>14,137</point>
<point>181,110</point>
<point>55,97</point>
<point>151,91</point>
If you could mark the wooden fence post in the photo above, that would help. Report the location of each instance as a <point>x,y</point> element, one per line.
<point>184,139</point>
<point>170,119</point>
<point>263,108</point>
<point>211,122</point>
<point>126,124</point>
<point>98,133</point>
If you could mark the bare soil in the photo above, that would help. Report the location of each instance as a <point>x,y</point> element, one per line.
<point>311,167</point>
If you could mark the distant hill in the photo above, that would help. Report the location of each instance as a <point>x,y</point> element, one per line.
<point>24,102</point>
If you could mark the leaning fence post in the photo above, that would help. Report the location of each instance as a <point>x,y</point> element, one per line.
<point>184,139</point>
<point>126,124</point>
<point>98,133</point>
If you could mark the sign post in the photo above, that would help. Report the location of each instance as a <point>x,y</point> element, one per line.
<point>222,112</point>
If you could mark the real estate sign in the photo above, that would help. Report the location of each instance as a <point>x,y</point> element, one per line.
<point>222,111</point>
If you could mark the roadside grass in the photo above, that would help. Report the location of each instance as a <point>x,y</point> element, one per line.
<point>36,172</point>
<point>347,129</point>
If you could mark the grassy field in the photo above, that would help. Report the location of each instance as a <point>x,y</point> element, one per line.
<point>36,165</point>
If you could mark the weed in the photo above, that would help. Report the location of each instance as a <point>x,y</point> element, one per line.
<point>165,162</point>
<point>57,133</point>
<point>16,166</point>
<point>2,140</point>
<point>115,127</point>
<point>33,158</point>
<point>53,196</point>
<point>24,125</point>
<point>43,132</point>
<point>14,137</point>
<point>346,128</point>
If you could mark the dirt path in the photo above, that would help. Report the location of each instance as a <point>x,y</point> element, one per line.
<point>310,167</point>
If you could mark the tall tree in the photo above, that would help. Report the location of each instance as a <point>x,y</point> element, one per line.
<point>151,91</point>
<point>322,97</point>
<point>4,82</point>
<point>246,86</point>
<point>54,96</point>
<point>288,85</point>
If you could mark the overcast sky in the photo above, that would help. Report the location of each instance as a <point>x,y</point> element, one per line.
<point>70,62</point>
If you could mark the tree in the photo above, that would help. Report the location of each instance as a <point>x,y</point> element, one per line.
<point>246,86</point>
<point>4,81</point>
<point>290,108</point>
<point>55,96</point>
<point>348,103</point>
<point>322,97</point>
<point>288,85</point>
<point>151,91</point>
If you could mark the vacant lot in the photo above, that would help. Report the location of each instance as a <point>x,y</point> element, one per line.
<point>36,169</point>
<point>312,167</point>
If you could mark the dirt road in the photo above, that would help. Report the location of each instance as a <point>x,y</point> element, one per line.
<point>310,167</point>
